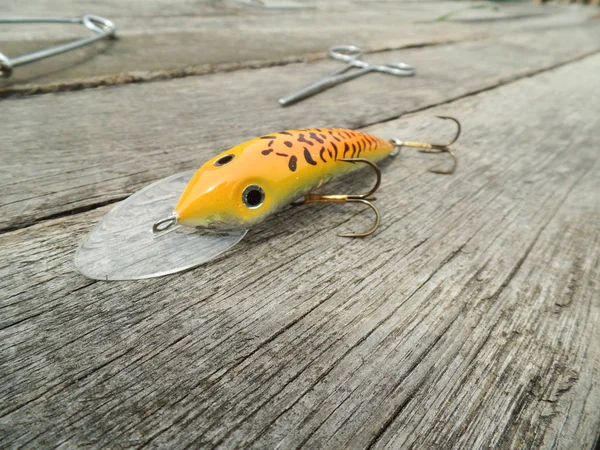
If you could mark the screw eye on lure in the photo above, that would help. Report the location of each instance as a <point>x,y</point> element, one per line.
<point>190,218</point>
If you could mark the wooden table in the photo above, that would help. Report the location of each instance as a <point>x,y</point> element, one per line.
<point>471,319</point>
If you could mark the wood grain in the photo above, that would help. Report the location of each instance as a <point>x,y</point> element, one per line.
<point>158,42</point>
<point>470,320</point>
<point>69,152</point>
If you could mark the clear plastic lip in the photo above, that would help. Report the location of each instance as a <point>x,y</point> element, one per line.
<point>122,246</point>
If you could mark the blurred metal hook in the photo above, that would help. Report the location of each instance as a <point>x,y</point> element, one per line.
<point>103,28</point>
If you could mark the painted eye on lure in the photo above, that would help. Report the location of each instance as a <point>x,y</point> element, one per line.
<point>190,218</point>
<point>253,196</point>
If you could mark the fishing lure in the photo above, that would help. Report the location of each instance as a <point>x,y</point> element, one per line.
<point>229,194</point>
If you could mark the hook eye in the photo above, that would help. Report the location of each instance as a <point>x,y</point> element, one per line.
<point>346,53</point>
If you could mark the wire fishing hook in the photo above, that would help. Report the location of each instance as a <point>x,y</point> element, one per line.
<point>364,198</point>
<point>425,147</point>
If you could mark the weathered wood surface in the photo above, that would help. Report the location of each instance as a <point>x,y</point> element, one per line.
<point>471,320</point>
<point>63,154</point>
<point>197,38</point>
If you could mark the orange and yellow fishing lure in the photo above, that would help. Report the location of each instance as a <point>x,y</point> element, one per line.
<point>228,195</point>
<point>245,184</point>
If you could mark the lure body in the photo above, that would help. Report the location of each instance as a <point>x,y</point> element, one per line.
<point>245,184</point>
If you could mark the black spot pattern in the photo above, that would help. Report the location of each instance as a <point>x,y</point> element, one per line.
<point>355,144</point>
<point>303,139</point>
<point>308,157</point>
<point>316,138</point>
<point>292,163</point>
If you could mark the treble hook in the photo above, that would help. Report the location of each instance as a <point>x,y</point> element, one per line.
<point>351,198</point>
<point>425,147</point>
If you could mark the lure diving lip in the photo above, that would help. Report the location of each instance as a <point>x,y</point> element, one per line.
<point>190,218</point>
<point>123,246</point>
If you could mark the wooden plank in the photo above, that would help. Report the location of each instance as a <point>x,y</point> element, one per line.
<point>163,9</point>
<point>74,151</point>
<point>158,47</point>
<point>469,320</point>
<point>140,8</point>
